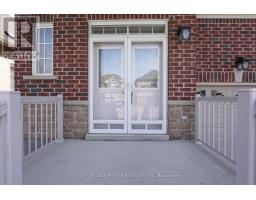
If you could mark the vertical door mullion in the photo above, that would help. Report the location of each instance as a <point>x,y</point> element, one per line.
<point>95,52</point>
<point>129,85</point>
<point>126,85</point>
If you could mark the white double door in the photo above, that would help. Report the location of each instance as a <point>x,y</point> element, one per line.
<point>127,93</point>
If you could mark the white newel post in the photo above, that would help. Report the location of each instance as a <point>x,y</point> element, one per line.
<point>60,117</point>
<point>13,142</point>
<point>246,158</point>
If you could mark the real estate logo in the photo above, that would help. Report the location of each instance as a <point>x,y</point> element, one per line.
<point>17,40</point>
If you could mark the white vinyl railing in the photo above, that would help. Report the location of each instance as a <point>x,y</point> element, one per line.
<point>216,124</point>
<point>246,158</point>
<point>10,139</point>
<point>3,121</point>
<point>38,119</point>
<point>42,122</point>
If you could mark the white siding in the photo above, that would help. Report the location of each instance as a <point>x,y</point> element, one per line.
<point>10,29</point>
<point>6,74</point>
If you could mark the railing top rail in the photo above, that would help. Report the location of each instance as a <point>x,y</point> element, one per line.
<point>218,99</point>
<point>40,99</point>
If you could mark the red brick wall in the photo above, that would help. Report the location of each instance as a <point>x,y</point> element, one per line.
<point>70,61</point>
<point>71,57</point>
<point>219,41</point>
<point>182,60</point>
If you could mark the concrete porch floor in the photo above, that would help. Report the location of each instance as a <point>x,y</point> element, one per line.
<point>125,162</point>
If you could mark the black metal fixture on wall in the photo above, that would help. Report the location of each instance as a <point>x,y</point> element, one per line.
<point>242,63</point>
<point>184,33</point>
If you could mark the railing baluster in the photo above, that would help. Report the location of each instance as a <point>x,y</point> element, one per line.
<point>204,121</point>
<point>41,125</point>
<point>199,121</point>
<point>219,121</point>
<point>29,129</point>
<point>225,129</point>
<point>35,127</point>
<point>213,124</point>
<point>51,122</point>
<point>232,133</point>
<point>22,127</point>
<point>46,123</point>
<point>55,120</point>
<point>209,124</point>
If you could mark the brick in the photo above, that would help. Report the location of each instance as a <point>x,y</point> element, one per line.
<point>212,47</point>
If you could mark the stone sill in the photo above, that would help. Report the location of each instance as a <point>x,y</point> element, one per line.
<point>225,84</point>
<point>181,103</point>
<point>75,103</point>
<point>40,77</point>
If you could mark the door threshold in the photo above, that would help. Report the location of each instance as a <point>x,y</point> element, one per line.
<point>126,137</point>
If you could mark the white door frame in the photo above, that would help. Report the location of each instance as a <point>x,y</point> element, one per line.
<point>91,82</point>
<point>127,50</point>
<point>164,43</point>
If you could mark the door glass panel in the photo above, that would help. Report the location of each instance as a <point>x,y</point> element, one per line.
<point>110,68</point>
<point>146,103</point>
<point>146,67</point>
<point>108,87</point>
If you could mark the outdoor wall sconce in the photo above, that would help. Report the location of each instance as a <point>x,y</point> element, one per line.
<point>184,33</point>
<point>242,63</point>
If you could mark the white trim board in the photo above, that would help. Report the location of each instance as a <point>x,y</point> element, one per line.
<point>127,41</point>
<point>128,22</point>
<point>40,77</point>
<point>226,16</point>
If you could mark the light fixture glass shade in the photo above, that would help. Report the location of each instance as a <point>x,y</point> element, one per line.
<point>245,65</point>
<point>240,66</point>
<point>242,63</point>
<point>184,33</point>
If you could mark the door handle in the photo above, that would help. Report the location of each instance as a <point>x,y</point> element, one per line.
<point>131,96</point>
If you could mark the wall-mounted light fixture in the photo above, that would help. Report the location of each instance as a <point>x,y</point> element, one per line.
<point>242,63</point>
<point>184,33</point>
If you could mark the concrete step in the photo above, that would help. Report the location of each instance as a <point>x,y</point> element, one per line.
<point>126,137</point>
